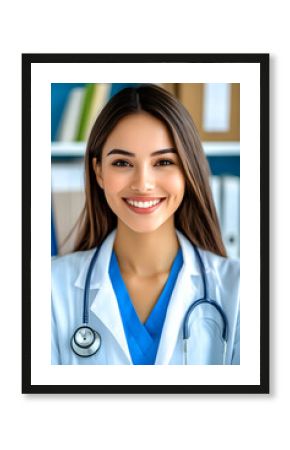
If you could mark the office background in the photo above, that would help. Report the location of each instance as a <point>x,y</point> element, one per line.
<point>215,109</point>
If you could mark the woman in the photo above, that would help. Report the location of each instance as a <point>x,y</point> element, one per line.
<point>149,213</point>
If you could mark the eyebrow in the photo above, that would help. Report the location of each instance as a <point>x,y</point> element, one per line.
<point>118,151</point>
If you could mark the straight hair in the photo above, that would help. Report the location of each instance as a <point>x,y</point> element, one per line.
<point>196,216</point>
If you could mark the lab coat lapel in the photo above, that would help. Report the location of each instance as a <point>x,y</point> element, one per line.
<point>184,293</point>
<point>188,288</point>
<point>104,305</point>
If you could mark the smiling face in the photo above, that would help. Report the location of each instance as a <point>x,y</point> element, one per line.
<point>140,173</point>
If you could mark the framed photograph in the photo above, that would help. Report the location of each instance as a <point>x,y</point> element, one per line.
<point>145,223</point>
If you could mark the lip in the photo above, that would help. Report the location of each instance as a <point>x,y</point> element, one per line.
<point>144,210</point>
<point>143,199</point>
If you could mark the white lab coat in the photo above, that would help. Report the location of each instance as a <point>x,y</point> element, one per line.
<point>205,345</point>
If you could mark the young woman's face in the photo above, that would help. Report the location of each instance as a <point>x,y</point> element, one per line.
<point>140,173</point>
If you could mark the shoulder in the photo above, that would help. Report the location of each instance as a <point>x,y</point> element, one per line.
<point>221,263</point>
<point>224,266</point>
<point>230,266</point>
<point>225,269</point>
<point>70,264</point>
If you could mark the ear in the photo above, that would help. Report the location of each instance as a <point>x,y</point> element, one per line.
<point>97,167</point>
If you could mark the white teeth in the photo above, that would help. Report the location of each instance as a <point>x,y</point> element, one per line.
<point>143,204</point>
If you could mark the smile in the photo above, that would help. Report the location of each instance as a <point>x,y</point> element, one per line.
<point>142,207</point>
<point>143,204</point>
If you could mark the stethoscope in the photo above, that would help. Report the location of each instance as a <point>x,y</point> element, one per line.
<point>86,341</point>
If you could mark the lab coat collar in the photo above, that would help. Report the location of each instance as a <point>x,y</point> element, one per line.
<point>191,264</point>
<point>100,274</point>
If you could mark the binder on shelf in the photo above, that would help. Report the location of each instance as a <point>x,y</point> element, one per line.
<point>85,111</point>
<point>53,237</point>
<point>59,96</point>
<point>99,98</point>
<point>69,124</point>
<point>231,215</point>
<point>226,195</point>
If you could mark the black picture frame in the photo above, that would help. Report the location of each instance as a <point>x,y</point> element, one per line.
<point>262,60</point>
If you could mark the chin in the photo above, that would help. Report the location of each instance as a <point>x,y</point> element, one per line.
<point>143,227</point>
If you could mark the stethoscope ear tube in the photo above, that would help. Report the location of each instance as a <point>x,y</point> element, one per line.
<point>87,287</point>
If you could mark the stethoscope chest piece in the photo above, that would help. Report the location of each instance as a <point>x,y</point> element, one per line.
<point>85,341</point>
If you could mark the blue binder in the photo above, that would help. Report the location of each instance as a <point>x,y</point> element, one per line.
<point>53,238</point>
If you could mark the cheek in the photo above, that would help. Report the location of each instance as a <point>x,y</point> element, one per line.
<point>112,182</point>
<point>176,184</point>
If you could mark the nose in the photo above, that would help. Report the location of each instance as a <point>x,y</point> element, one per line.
<point>142,180</point>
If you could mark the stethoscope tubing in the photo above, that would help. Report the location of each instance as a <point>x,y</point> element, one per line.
<point>87,287</point>
<point>204,300</point>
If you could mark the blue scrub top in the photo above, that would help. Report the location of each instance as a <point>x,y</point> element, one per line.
<point>143,339</point>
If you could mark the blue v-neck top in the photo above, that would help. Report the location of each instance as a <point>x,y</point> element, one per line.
<point>143,338</point>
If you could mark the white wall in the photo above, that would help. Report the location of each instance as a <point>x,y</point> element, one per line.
<point>105,422</point>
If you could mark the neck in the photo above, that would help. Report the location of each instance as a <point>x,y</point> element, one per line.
<point>146,254</point>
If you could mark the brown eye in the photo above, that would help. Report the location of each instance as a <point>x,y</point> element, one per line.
<point>121,163</point>
<point>164,162</point>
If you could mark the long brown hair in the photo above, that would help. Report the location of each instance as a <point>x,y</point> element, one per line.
<point>196,216</point>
